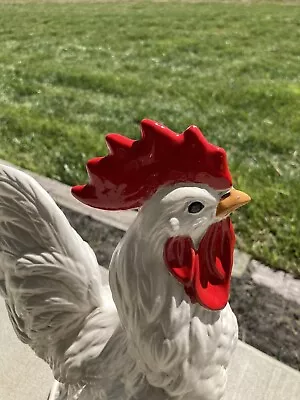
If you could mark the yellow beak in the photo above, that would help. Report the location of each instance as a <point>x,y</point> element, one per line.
<point>233,200</point>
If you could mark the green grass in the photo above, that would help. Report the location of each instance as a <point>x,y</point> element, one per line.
<point>70,73</point>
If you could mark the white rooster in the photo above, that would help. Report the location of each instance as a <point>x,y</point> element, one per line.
<point>162,329</point>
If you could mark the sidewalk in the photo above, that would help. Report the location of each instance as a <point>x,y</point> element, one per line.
<point>252,374</point>
<point>23,376</point>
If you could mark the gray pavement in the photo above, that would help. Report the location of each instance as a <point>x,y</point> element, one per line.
<point>256,376</point>
<point>252,374</point>
<point>23,376</point>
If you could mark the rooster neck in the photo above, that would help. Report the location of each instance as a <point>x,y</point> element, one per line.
<point>177,345</point>
<point>139,264</point>
<point>143,287</point>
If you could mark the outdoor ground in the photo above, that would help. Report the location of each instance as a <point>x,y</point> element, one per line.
<point>70,73</point>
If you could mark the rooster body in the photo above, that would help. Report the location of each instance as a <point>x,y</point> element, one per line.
<point>158,330</point>
<point>180,347</point>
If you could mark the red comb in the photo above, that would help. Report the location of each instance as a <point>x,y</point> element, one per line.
<point>134,169</point>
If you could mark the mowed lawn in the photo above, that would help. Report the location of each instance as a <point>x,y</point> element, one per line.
<point>71,73</point>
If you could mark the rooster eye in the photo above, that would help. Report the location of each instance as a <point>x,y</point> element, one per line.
<point>225,195</point>
<point>195,207</point>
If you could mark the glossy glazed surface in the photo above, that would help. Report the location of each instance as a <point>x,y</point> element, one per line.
<point>162,328</point>
<point>135,169</point>
<point>205,272</point>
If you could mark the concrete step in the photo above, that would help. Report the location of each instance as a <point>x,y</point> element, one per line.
<point>252,374</point>
<point>23,376</point>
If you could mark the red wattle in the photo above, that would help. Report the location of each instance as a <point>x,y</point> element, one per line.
<point>206,272</point>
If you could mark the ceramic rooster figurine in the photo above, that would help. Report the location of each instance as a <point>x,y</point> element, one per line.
<point>162,329</point>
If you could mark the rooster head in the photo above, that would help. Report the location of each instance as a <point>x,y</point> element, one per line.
<point>183,183</point>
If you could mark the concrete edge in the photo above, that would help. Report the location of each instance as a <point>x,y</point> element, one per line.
<point>280,282</point>
<point>259,354</point>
